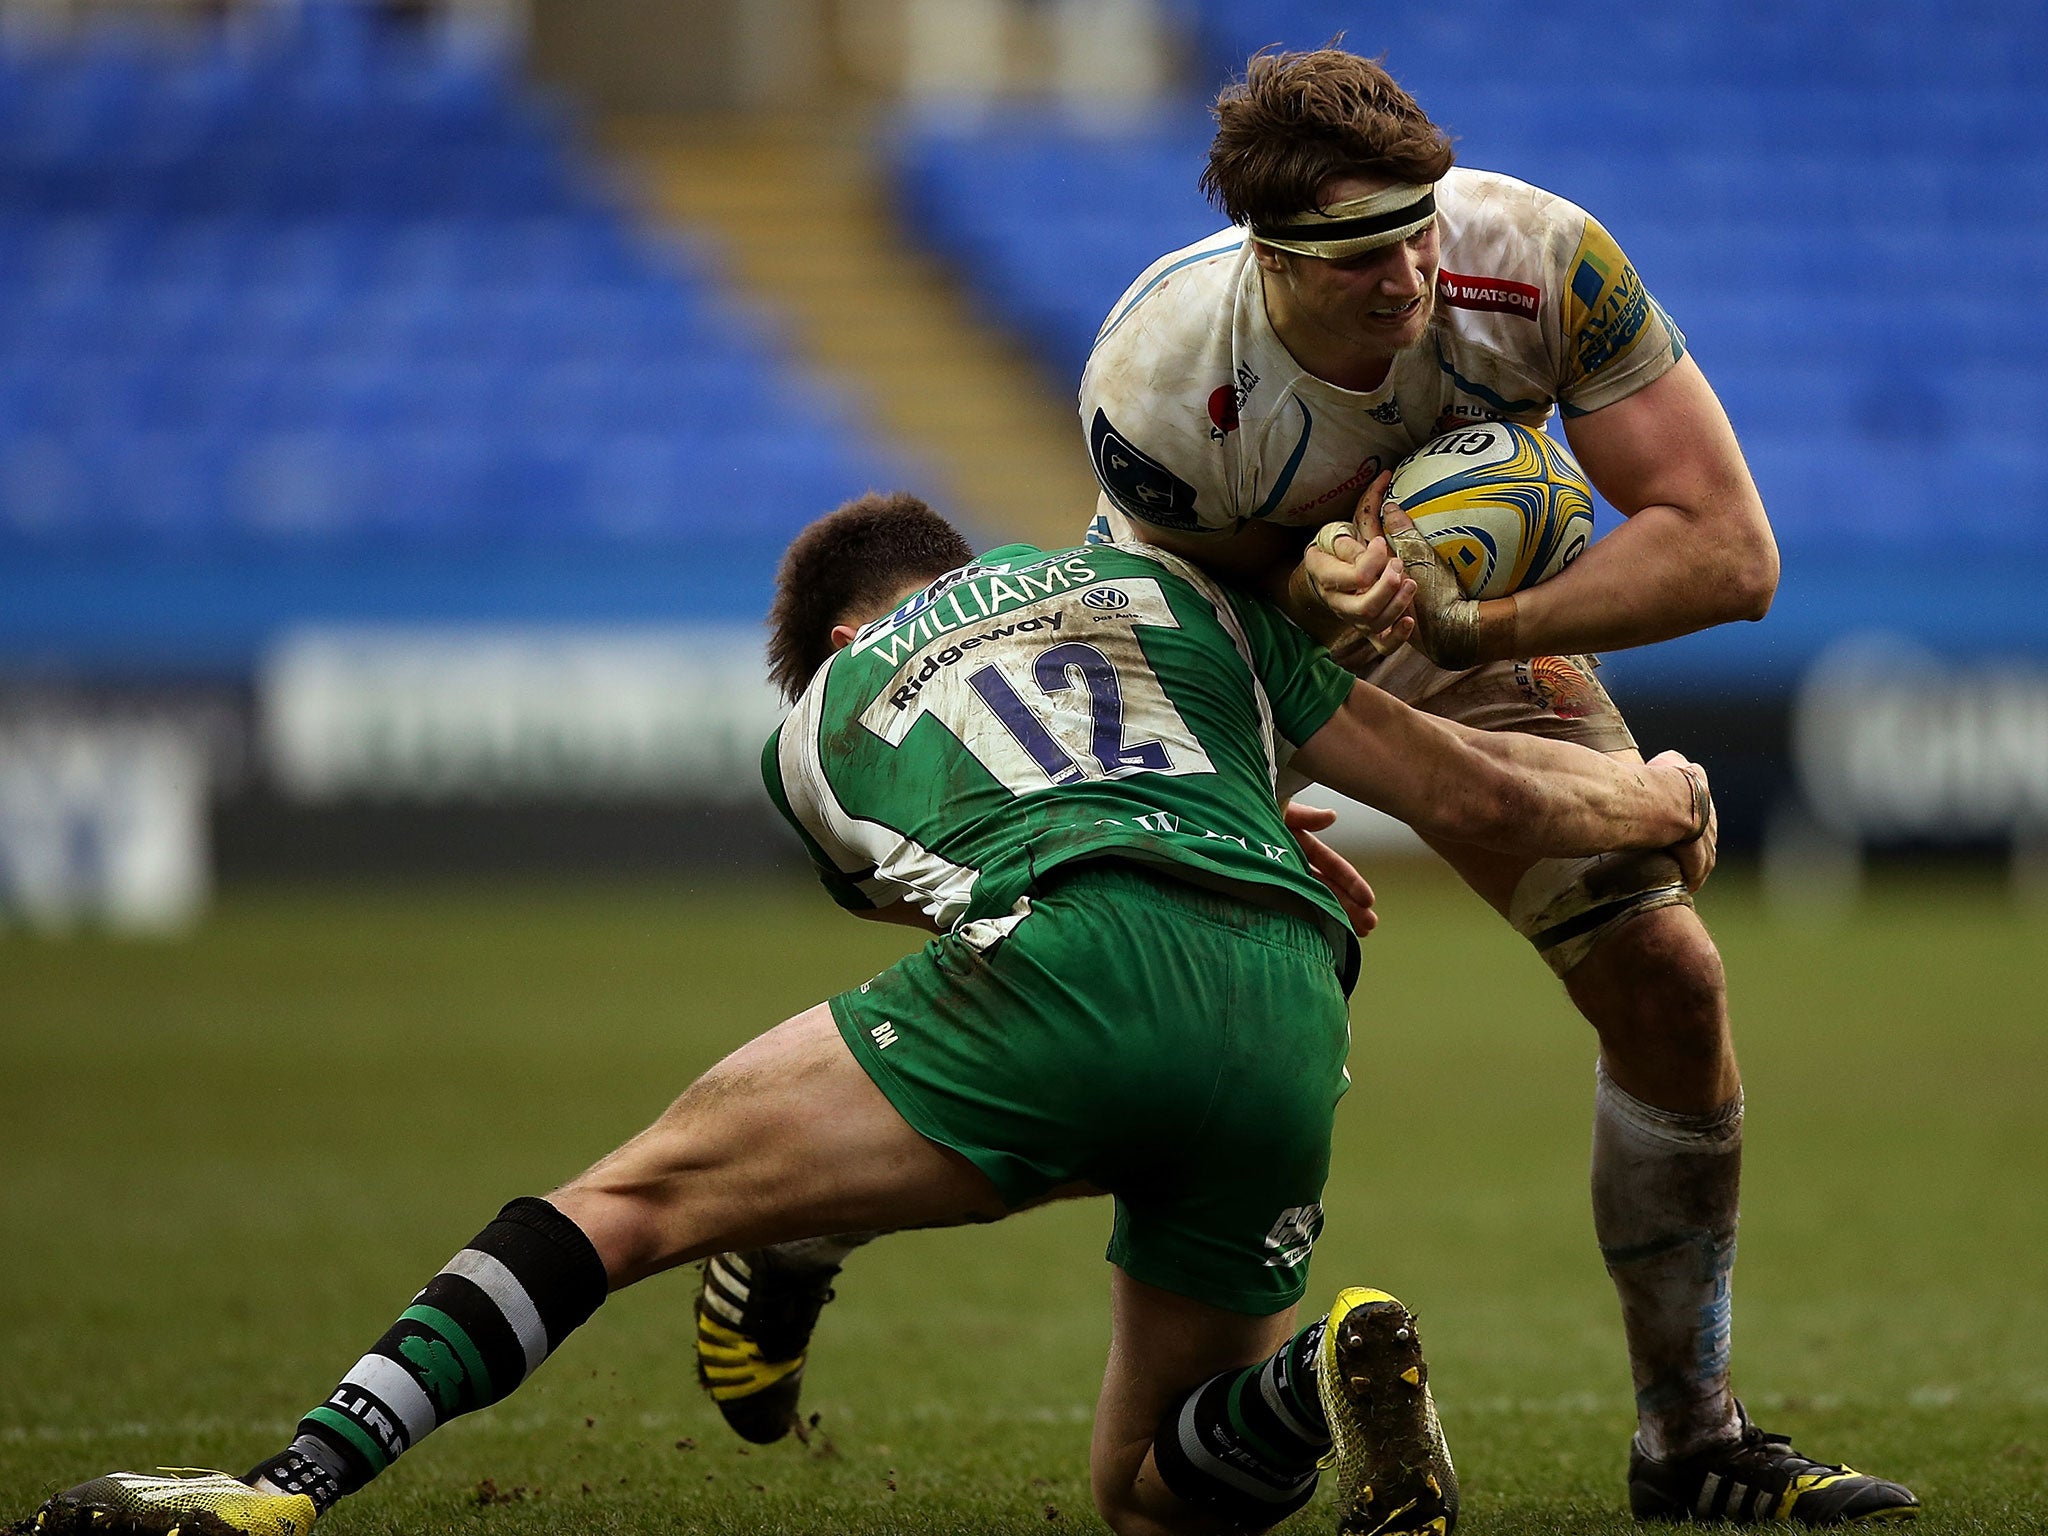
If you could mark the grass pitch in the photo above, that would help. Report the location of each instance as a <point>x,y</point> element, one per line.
<point>228,1163</point>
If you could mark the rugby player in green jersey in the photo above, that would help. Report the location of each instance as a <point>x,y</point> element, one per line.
<point>1065,765</point>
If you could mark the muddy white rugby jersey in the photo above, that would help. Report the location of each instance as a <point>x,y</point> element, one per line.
<point>1199,419</point>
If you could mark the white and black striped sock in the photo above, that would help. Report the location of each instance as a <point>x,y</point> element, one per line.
<point>1245,1443</point>
<point>481,1327</point>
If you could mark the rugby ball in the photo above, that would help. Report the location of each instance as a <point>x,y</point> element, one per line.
<point>1504,504</point>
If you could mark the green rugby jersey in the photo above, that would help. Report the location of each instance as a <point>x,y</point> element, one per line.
<point>1035,708</point>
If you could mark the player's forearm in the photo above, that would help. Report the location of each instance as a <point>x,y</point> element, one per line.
<point>1497,789</point>
<point>1555,799</point>
<point>1661,574</point>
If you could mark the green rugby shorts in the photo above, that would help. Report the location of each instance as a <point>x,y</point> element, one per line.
<point>1178,1047</point>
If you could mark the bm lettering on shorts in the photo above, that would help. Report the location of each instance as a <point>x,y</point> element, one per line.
<point>884,1035</point>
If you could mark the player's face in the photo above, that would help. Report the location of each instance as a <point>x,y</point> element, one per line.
<point>1377,303</point>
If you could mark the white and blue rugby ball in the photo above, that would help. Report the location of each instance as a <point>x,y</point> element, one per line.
<point>1505,505</point>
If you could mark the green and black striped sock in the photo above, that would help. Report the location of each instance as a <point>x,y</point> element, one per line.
<point>480,1328</point>
<point>1245,1443</point>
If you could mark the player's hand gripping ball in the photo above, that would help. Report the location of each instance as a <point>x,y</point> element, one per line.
<point>1503,505</point>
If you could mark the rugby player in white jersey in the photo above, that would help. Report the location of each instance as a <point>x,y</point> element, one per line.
<point>1253,387</point>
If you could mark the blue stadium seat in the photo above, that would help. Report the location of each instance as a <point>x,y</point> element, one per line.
<point>325,292</point>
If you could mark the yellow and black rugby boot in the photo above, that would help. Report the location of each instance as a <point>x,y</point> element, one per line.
<point>754,1323</point>
<point>178,1501</point>
<point>1393,1470</point>
<point>1758,1479</point>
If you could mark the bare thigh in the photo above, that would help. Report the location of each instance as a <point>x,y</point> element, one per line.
<point>785,1138</point>
<point>1160,1345</point>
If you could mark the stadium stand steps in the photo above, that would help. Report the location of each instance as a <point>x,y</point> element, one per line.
<point>803,210</point>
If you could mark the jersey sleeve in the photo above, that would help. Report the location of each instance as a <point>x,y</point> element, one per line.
<point>1617,338</point>
<point>1141,485</point>
<point>843,885</point>
<point>1303,684</point>
<point>1157,454</point>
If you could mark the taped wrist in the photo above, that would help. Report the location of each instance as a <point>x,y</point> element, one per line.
<point>1702,805</point>
<point>1446,620</point>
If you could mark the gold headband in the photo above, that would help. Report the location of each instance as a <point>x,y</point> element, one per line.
<point>1356,225</point>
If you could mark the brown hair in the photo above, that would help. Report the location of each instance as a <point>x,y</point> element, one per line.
<point>1298,119</point>
<point>846,565</point>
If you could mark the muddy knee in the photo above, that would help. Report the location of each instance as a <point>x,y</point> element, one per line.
<point>1567,908</point>
<point>1656,993</point>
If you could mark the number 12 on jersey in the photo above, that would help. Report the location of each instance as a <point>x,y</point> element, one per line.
<point>1036,714</point>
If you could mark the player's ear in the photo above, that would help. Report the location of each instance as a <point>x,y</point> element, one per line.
<point>842,635</point>
<point>1268,258</point>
